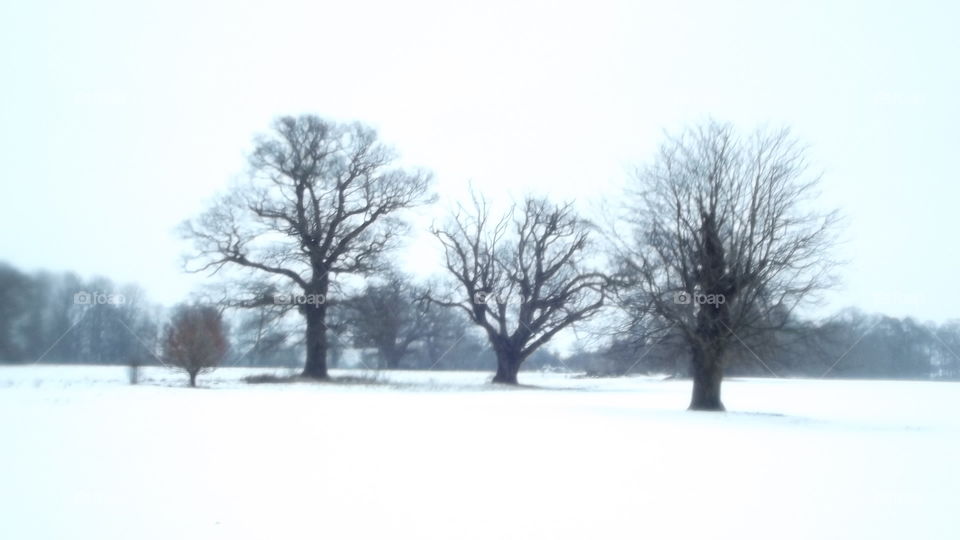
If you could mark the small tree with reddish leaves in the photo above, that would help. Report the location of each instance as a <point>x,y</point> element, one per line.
<point>195,340</point>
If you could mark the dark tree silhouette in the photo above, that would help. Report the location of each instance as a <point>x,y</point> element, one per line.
<point>522,276</point>
<point>195,340</point>
<point>323,200</point>
<point>390,316</point>
<point>724,243</point>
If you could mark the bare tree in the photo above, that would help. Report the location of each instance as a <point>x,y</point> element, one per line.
<point>522,276</point>
<point>725,243</point>
<point>323,200</point>
<point>390,316</point>
<point>195,340</point>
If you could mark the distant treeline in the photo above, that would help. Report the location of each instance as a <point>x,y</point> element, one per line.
<point>851,344</point>
<point>61,318</point>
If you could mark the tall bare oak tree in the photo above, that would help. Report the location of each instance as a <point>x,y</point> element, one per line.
<point>323,200</point>
<point>522,275</point>
<point>725,243</point>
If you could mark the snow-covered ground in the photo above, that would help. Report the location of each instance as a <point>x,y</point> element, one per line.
<point>444,455</point>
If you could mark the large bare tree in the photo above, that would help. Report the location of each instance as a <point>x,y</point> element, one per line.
<point>521,277</point>
<point>323,200</point>
<point>726,242</point>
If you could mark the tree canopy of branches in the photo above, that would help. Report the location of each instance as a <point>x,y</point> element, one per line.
<point>522,275</point>
<point>390,316</point>
<point>724,243</point>
<point>324,199</point>
<point>41,320</point>
<point>195,340</point>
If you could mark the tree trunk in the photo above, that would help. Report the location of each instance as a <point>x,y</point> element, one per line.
<point>193,379</point>
<point>336,352</point>
<point>134,373</point>
<point>393,359</point>
<point>508,365</point>
<point>707,370</point>
<point>316,364</point>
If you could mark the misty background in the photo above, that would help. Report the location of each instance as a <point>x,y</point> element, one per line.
<point>120,121</point>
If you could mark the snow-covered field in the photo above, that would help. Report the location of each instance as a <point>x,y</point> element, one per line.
<point>440,455</point>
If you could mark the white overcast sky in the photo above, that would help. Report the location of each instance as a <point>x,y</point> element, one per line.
<point>120,119</point>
